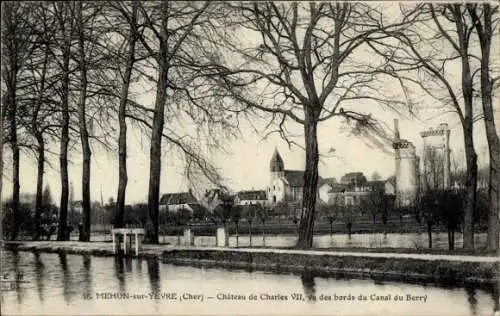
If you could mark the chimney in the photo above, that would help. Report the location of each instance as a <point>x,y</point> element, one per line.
<point>396,129</point>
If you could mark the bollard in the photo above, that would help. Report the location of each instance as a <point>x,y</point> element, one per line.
<point>188,237</point>
<point>221,237</point>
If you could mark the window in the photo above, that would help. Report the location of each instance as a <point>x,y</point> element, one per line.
<point>274,198</point>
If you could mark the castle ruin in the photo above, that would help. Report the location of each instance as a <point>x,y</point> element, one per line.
<point>436,154</point>
<point>407,166</point>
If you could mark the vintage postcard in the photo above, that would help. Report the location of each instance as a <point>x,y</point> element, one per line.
<point>250,158</point>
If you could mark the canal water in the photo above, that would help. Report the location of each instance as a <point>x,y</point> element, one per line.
<point>50,284</point>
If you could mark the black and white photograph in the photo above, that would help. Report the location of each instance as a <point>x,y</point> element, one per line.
<point>250,158</point>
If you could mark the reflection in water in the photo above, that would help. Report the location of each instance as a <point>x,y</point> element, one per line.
<point>67,278</point>
<point>120,273</point>
<point>93,274</point>
<point>471,297</point>
<point>154,274</point>
<point>138,265</point>
<point>128,264</point>
<point>87,275</point>
<point>18,276</point>
<point>154,277</point>
<point>495,295</point>
<point>308,284</point>
<point>39,271</point>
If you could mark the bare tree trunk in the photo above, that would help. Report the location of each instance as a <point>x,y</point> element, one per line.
<point>310,183</point>
<point>15,156</point>
<point>63,154</point>
<point>485,34</point>
<point>84,134</point>
<point>157,130</point>
<point>122,140</point>
<point>38,133</point>
<point>39,186</point>
<point>492,241</point>
<point>451,238</point>
<point>470,186</point>
<point>429,233</point>
<point>10,56</point>
<point>467,123</point>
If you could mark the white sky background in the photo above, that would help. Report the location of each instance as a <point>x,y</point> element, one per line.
<point>247,164</point>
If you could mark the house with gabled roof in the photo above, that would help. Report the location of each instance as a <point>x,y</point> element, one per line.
<point>174,202</point>
<point>251,197</point>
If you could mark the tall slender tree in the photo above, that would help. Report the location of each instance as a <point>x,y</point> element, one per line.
<point>170,36</point>
<point>82,121</point>
<point>63,39</point>
<point>129,61</point>
<point>484,16</point>
<point>16,47</point>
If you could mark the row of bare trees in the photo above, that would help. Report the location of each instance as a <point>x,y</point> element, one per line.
<point>73,69</point>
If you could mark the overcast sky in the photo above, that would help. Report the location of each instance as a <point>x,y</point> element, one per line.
<point>247,164</point>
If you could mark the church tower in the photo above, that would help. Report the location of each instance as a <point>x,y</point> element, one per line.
<point>276,166</point>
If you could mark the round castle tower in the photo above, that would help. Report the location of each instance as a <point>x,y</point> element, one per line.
<point>407,180</point>
<point>436,160</point>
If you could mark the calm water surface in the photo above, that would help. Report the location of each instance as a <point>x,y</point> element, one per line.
<point>76,284</point>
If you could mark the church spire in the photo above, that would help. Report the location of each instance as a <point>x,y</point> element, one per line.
<point>276,163</point>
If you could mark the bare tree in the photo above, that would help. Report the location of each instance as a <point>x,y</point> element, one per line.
<point>130,39</point>
<point>302,66</point>
<point>82,122</point>
<point>424,55</point>
<point>16,47</point>
<point>170,28</point>
<point>62,38</point>
<point>94,86</point>
<point>484,16</point>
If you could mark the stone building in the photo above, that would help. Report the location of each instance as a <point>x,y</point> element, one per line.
<point>436,158</point>
<point>407,170</point>
<point>353,190</point>
<point>285,185</point>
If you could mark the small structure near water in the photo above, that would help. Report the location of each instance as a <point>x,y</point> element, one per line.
<point>119,233</point>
